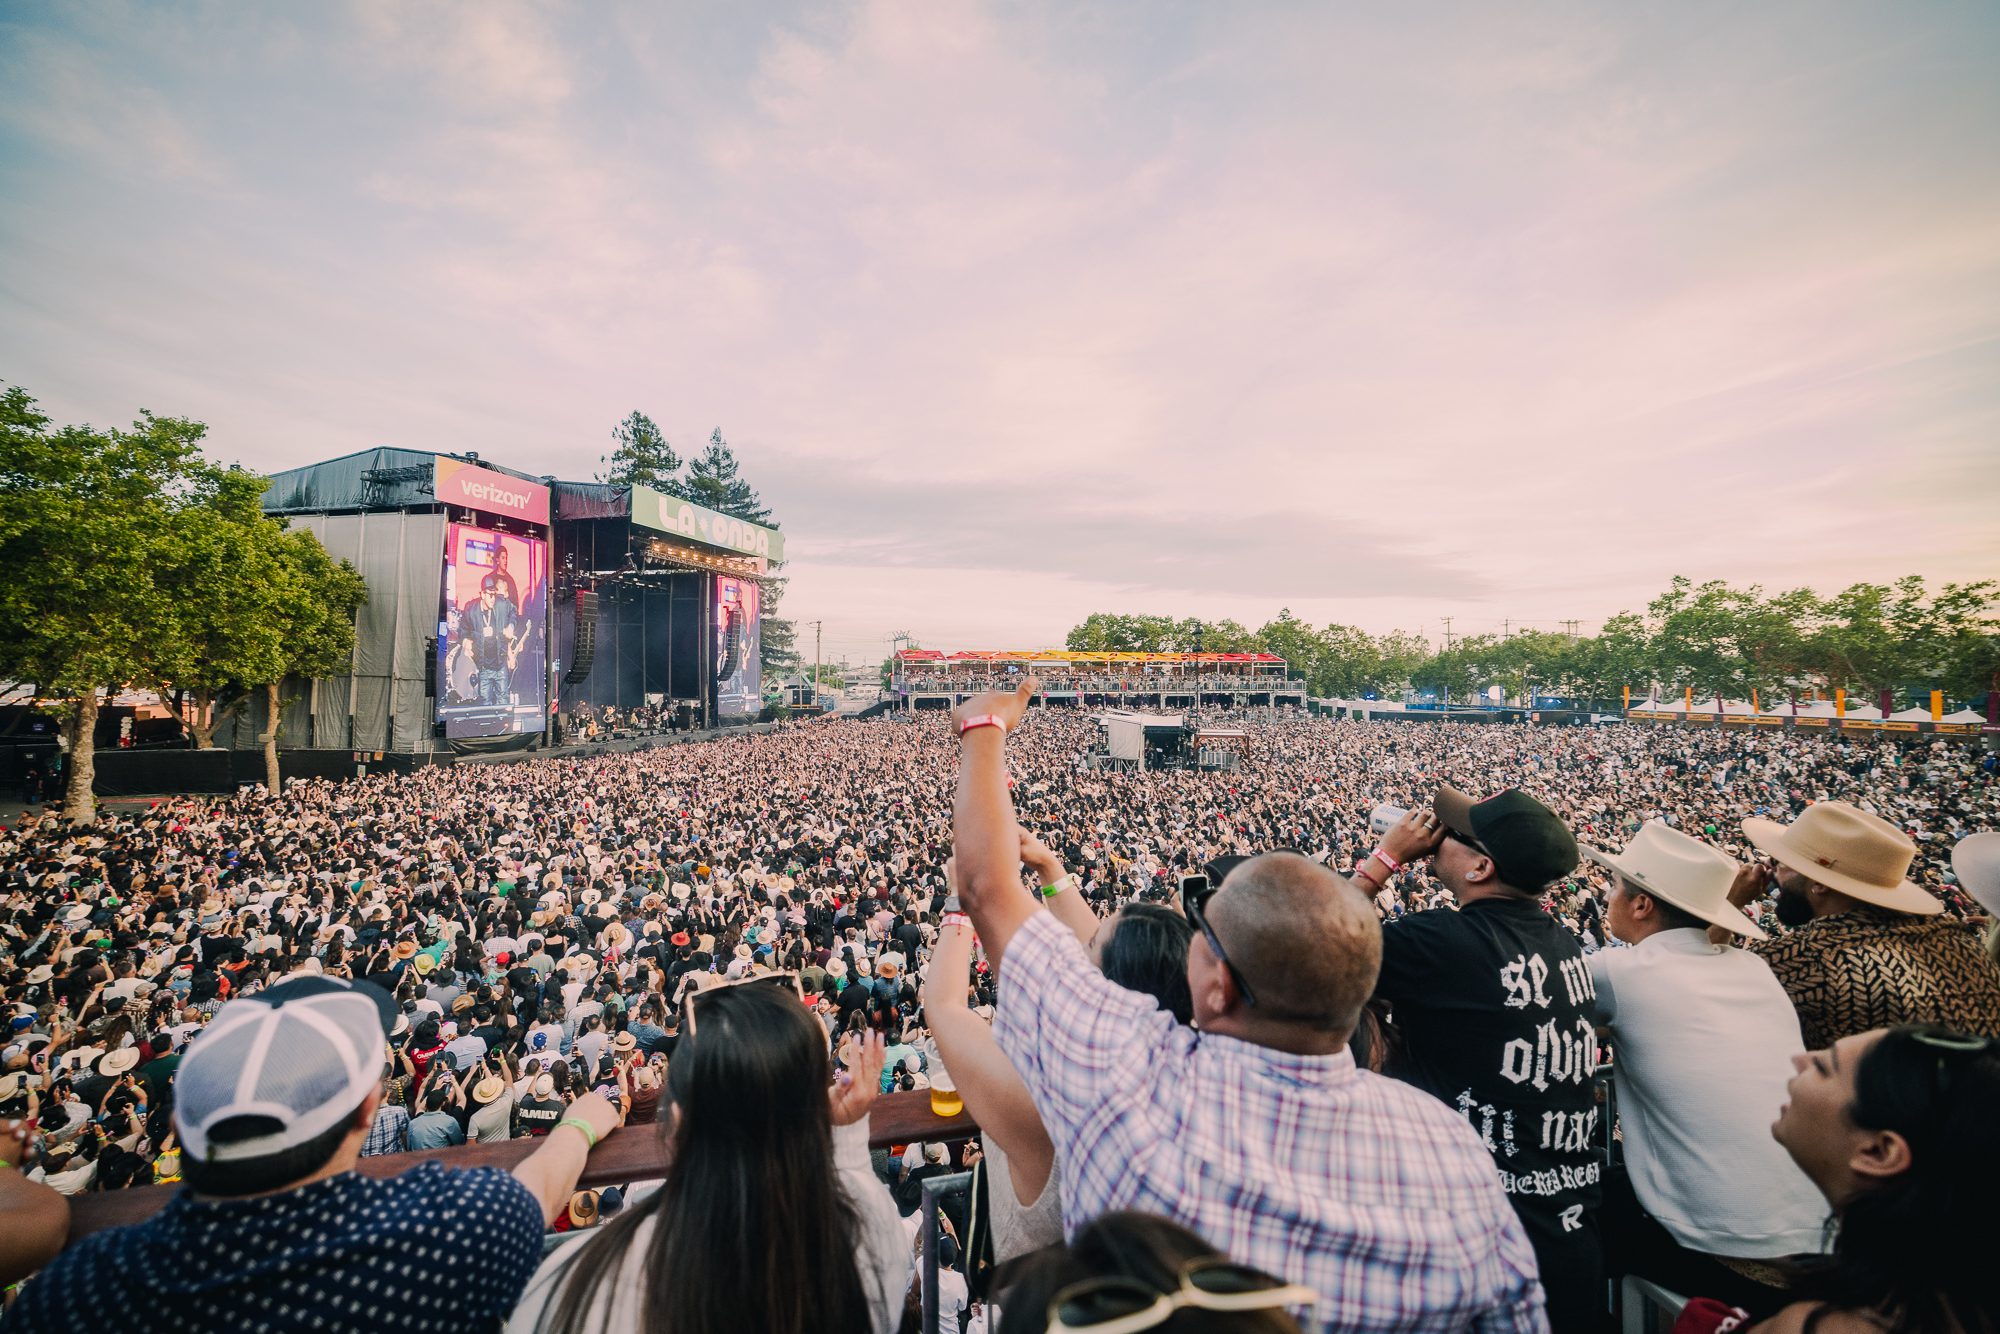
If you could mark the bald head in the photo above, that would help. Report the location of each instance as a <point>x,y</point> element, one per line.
<point>1307,941</point>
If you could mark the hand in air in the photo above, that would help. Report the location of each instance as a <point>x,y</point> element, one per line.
<point>1009,706</point>
<point>859,1079</point>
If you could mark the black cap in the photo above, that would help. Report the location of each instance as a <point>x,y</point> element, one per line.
<point>1529,844</point>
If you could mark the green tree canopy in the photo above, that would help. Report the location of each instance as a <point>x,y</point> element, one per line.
<point>643,458</point>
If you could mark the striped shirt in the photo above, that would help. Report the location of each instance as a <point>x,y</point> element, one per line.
<point>1377,1196</point>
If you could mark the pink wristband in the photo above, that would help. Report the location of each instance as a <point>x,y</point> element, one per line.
<point>983,720</point>
<point>1386,860</point>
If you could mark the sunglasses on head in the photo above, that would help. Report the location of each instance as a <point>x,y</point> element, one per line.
<point>787,982</point>
<point>1950,1048</point>
<point>1119,1305</point>
<point>1196,891</point>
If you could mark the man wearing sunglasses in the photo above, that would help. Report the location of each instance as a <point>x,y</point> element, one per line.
<point>1254,1129</point>
<point>1497,1018</point>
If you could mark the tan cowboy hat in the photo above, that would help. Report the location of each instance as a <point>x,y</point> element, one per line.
<point>624,1042</point>
<point>1976,862</point>
<point>489,1088</point>
<point>583,1208</point>
<point>1683,871</point>
<point>543,1087</point>
<point>578,966</point>
<point>1849,851</point>
<point>405,948</point>
<point>118,1062</point>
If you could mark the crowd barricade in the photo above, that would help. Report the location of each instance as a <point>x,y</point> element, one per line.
<point>633,1153</point>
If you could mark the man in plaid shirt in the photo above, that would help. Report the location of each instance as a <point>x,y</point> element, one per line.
<point>1257,1131</point>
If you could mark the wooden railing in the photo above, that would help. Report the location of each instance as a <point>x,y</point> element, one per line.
<point>635,1153</point>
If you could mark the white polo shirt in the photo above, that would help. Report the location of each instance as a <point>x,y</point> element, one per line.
<point>1704,1038</point>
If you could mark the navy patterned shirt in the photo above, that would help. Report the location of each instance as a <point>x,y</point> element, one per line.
<point>431,1250</point>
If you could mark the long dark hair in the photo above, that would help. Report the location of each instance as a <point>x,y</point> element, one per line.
<point>1147,952</point>
<point>1122,1245</point>
<point>1917,1249</point>
<point>750,1229</point>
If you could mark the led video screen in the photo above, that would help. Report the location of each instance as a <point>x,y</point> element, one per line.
<point>738,646</point>
<point>492,655</point>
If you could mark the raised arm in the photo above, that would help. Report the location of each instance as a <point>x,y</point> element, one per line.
<point>983,828</point>
<point>993,1090</point>
<point>1067,902</point>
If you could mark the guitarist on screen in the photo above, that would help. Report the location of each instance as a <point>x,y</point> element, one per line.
<point>496,635</point>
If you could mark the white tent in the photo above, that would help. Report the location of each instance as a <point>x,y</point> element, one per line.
<point>1819,708</point>
<point>1964,716</point>
<point>1911,716</point>
<point>1868,711</point>
<point>1738,708</point>
<point>1675,706</point>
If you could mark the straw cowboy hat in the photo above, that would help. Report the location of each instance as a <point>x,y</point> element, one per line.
<point>118,1062</point>
<point>405,948</point>
<point>489,1088</point>
<point>1849,851</point>
<point>1683,871</point>
<point>583,1208</point>
<point>1976,862</point>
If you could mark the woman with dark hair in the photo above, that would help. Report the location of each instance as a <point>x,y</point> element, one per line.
<point>1134,1271</point>
<point>1141,947</point>
<point>1897,1128</point>
<point>770,1217</point>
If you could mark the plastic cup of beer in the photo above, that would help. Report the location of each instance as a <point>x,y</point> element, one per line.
<point>944,1094</point>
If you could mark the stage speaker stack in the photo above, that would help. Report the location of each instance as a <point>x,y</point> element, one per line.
<point>584,647</point>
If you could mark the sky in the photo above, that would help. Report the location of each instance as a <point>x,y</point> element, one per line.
<point>1379,313</point>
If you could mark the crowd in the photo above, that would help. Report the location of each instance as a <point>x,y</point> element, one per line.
<point>1257,1061</point>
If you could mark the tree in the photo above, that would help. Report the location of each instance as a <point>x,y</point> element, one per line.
<point>83,529</point>
<point>643,458</point>
<point>221,634</point>
<point>314,597</point>
<point>714,481</point>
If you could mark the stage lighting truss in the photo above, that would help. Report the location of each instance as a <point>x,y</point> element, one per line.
<point>660,552</point>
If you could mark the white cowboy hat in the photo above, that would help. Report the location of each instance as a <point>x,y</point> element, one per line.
<point>1683,871</point>
<point>1976,861</point>
<point>1849,851</point>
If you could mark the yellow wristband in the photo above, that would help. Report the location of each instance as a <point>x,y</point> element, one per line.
<point>577,1123</point>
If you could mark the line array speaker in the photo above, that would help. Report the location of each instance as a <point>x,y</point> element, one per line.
<point>583,649</point>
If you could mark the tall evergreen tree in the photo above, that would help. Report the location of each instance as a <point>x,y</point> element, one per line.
<point>643,458</point>
<point>715,481</point>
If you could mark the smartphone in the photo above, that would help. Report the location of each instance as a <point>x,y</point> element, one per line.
<point>1193,886</point>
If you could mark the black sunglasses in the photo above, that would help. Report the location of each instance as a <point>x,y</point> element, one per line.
<point>1194,905</point>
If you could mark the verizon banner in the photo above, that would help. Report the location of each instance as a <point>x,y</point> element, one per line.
<point>468,484</point>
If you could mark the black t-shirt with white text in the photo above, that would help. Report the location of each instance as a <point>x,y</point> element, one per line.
<point>1497,1017</point>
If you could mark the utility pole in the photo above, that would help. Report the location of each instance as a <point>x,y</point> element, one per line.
<point>1447,631</point>
<point>815,681</point>
<point>1571,627</point>
<point>1506,629</point>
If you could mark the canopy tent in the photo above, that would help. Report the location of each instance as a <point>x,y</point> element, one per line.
<point>1911,716</point>
<point>1864,711</point>
<point>1819,708</point>
<point>1964,716</point>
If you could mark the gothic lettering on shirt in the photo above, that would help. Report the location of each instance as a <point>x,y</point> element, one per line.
<point>1552,1180</point>
<point>1568,1132</point>
<point>1484,1117</point>
<point>1555,1056</point>
<point>1524,979</point>
<point>1576,980</point>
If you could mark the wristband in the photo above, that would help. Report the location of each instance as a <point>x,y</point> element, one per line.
<point>1386,860</point>
<point>983,720</point>
<point>578,1123</point>
<point>956,919</point>
<point>1061,884</point>
<point>1360,872</point>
